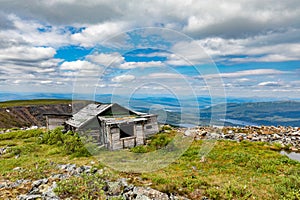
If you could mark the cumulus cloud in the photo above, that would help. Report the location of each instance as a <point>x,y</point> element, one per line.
<point>80,68</point>
<point>254,72</point>
<point>78,65</point>
<point>251,49</point>
<point>229,32</point>
<point>99,33</point>
<point>25,53</point>
<point>123,78</point>
<point>106,59</point>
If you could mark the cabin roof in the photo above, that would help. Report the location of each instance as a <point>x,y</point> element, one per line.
<point>93,110</point>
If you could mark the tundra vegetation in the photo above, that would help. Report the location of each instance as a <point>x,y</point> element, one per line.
<point>232,170</point>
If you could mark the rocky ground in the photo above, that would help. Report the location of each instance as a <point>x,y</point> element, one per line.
<point>287,137</point>
<point>44,188</point>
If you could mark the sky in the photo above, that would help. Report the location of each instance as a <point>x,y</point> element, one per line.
<point>181,48</point>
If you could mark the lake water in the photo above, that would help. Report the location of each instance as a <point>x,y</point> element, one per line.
<point>238,122</point>
<point>291,155</point>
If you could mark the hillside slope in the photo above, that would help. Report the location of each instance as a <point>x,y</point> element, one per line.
<point>30,112</point>
<point>25,116</point>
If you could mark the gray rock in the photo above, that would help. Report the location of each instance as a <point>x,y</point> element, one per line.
<point>79,170</point>
<point>37,183</point>
<point>87,169</point>
<point>17,183</point>
<point>174,197</point>
<point>114,188</point>
<point>63,167</point>
<point>71,167</point>
<point>142,197</point>
<point>213,136</point>
<point>59,176</point>
<point>29,196</point>
<point>49,194</point>
<point>149,193</point>
<point>34,190</point>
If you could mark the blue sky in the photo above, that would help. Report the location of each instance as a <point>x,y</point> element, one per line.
<point>237,48</point>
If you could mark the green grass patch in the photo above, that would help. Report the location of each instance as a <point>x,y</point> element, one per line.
<point>83,187</point>
<point>33,102</point>
<point>155,142</point>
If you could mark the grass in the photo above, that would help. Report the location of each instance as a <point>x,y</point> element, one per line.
<point>231,170</point>
<point>82,187</point>
<point>33,102</point>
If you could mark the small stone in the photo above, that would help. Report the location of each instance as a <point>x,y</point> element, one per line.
<point>37,183</point>
<point>294,149</point>
<point>79,170</point>
<point>114,188</point>
<point>203,159</point>
<point>149,193</point>
<point>29,197</point>
<point>17,169</point>
<point>100,171</point>
<point>71,167</point>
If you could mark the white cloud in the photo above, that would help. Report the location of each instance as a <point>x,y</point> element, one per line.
<point>187,52</point>
<point>79,68</point>
<point>106,59</point>
<point>46,82</point>
<point>254,72</point>
<point>99,33</point>
<point>270,83</point>
<point>133,65</point>
<point>165,76</point>
<point>231,32</point>
<point>78,65</point>
<point>25,53</point>
<point>123,78</point>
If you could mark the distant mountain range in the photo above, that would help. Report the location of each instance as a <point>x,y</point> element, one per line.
<point>194,111</point>
<point>284,113</point>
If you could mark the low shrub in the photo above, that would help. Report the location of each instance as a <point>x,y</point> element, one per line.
<point>83,187</point>
<point>70,142</point>
<point>156,142</point>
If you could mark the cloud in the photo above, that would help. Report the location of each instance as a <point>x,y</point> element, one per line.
<point>254,72</point>
<point>81,68</point>
<point>78,65</point>
<point>123,78</point>
<point>33,32</point>
<point>26,54</point>
<point>99,33</point>
<point>133,65</point>
<point>239,20</point>
<point>187,53</point>
<point>251,49</point>
<point>165,76</point>
<point>228,32</point>
<point>65,12</point>
<point>106,59</point>
<point>270,83</point>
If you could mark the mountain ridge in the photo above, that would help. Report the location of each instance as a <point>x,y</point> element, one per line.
<point>25,113</point>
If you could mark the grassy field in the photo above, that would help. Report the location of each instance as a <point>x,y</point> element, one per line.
<point>33,102</point>
<point>231,170</point>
